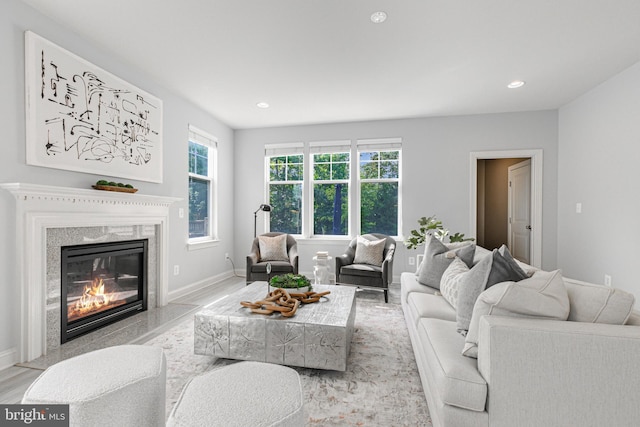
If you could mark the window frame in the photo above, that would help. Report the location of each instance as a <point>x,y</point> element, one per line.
<point>202,138</point>
<point>354,148</point>
<point>330,148</point>
<point>285,150</point>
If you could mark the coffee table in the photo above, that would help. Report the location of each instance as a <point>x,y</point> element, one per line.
<point>318,336</point>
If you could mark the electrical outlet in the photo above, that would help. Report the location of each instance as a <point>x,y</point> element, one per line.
<point>226,256</point>
<point>176,270</point>
<point>181,213</point>
<point>412,261</point>
<point>607,280</point>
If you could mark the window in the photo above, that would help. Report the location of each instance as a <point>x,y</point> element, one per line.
<point>331,176</point>
<point>379,168</point>
<point>286,176</point>
<point>202,154</point>
<point>313,191</point>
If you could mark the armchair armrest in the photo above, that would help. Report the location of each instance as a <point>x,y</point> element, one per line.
<point>293,258</point>
<point>252,259</point>
<point>342,260</point>
<point>387,267</point>
<point>559,373</point>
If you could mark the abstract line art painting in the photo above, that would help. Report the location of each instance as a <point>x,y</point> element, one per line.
<point>82,118</point>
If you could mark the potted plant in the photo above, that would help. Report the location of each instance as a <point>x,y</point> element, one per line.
<point>432,226</point>
<point>290,281</point>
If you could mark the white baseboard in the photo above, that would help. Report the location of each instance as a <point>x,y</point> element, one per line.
<point>201,284</point>
<point>8,358</point>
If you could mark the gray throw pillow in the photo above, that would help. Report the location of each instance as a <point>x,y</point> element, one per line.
<point>486,273</point>
<point>273,248</point>
<point>369,251</point>
<point>438,257</point>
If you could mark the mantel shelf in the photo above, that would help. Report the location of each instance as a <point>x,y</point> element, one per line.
<point>27,192</point>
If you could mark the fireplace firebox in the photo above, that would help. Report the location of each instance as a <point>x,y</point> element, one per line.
<point>101,284</point>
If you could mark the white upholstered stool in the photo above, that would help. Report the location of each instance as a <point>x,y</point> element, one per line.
<point>244,394</point>
<point>117,386</point>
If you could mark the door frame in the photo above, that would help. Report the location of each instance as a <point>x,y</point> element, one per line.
<point>536,194</point>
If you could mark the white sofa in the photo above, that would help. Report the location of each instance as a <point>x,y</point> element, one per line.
<point>529,372</point>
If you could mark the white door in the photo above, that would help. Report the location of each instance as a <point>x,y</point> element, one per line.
<point>519,238</point>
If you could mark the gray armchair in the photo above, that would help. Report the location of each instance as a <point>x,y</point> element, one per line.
<point>257,269</point>
<point>366,275</point>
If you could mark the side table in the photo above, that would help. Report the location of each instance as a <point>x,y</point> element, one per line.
<point>321,270</point>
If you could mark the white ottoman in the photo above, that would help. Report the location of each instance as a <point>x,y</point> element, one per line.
<point>116,386</point>
<point>244,394</point>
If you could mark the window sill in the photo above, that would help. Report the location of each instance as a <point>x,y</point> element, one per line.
<point>194,245</point>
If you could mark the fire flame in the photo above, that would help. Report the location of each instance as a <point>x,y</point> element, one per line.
<point>93,299</point>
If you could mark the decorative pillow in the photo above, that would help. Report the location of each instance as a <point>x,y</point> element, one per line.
<point>514,263</point>
<point>438,257</point>
<point>450,246</point>
<point>542,296</point>
<point>599,304</point>
<point>369,251</point>
<point>451,279</point>
<point>490,270</point>
<point>273,248</point>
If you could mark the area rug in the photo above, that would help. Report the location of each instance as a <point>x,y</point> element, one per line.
<point>381,386</point>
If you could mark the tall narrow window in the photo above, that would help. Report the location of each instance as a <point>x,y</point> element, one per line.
<point>331,173</point>
<point>286,176</point>
<point>379,165</point>
<point>202,155</point>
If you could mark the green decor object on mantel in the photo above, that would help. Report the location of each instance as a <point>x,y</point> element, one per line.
<point>432,226</point>
<point>290,281</point>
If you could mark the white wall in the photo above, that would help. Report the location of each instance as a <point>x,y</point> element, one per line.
<point>195,266</point>
<point>599,155</point>
<point>435,170</point>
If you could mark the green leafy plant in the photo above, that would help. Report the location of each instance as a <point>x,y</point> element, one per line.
<point>432,226</point>
<point>289,280</point>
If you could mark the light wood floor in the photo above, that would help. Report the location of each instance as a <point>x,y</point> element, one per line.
<point>15,380</point>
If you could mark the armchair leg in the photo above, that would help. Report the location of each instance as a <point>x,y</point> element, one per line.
<point>386,296</point>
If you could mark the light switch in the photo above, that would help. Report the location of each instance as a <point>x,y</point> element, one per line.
<point>181,212</point>
<point>578,207</point>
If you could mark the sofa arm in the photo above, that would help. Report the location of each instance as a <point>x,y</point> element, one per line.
<point>556,373</point>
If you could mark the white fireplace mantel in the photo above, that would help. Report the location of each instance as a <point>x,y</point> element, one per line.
<point>39,207</point>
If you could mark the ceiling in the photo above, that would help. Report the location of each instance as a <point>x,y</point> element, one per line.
<point>324,61</point>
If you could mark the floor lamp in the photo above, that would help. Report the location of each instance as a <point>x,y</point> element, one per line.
<point>264,208</point>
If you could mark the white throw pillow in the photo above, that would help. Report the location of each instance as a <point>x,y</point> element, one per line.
<point>543,295</point>
<point>451,281</point>
<point>273,248</point>
<point>599,304</point>
<point>369,251</point>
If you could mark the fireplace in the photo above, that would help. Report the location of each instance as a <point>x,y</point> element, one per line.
<point>101,284</point>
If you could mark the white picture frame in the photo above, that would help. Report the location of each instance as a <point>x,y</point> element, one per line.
<point>82,118</point>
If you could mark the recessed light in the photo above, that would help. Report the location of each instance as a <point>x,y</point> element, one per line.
<point>515,84</point>
<point>262,105</point>
<point>378,17</point>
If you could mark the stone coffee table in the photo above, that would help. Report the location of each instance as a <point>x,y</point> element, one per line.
<point>318,336</point>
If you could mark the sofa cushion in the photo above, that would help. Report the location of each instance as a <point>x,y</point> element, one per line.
<point>273,248</point>
<point>598,304</point>
<point>457,379</point>
<point>369,251</point>
<point>543,295</point>
<point>486,273</point>
<point>409,283</point>
<point>422,305</point>
<point>438,257</point>
<point>363,270</point>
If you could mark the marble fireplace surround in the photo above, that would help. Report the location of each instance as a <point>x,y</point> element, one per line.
<point>48,217</point>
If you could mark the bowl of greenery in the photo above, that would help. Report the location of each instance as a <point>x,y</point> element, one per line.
<point>290,281</point>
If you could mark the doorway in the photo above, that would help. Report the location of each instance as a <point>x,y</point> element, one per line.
<point>489,202</point>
